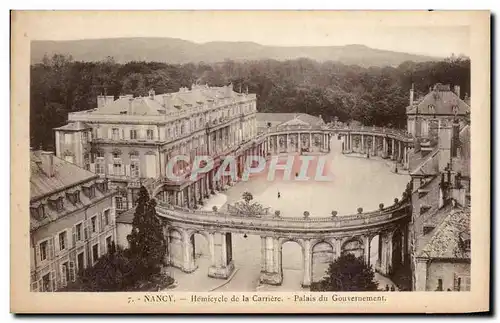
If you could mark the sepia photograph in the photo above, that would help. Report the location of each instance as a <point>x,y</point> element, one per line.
<point>198,156</point>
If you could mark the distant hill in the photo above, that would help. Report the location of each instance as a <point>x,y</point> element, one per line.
<point>174,51</point>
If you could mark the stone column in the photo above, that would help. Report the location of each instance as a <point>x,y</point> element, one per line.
<point>306,281</point>
<point>287,143</point>
<point>362,143</point>
<point>270,263</point>
<point>374,147</point>
<point>222,268</point>
<point>310,142</point>
<point>211,247</point>
<point>350,142</point>
<point>300,142</point>
<point>188,265</point>
<point>393,152</point>
<point>366,241</point>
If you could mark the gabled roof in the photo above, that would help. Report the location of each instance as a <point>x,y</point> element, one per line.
<point>446,241</point>
<point>285,117</point>
<point>65,175</point>
<point>441,100</point>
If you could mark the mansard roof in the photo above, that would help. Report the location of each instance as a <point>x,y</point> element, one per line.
<point>64,176</point>
<point>441,101</point>
<point>169,102</point>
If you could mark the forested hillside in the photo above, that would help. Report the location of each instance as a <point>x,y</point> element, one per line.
<point>373,96</point>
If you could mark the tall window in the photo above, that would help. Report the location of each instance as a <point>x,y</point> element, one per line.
<point>99,163</point>
<point>134,166</point>
<point>115,134</point>
<point>108,243</point>
<point>93,221</point>
<point>44,250</point>
<point>117,168</point>
<point>149,134</point>
<point>119,203</point>
<point>117,164</point>
<point>62,240</point>
<point>106,217</point>
<point>133,134</point>
<point>78,229</point>
<point>95,253</point>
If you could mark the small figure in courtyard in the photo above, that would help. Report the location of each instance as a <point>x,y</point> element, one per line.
<point>392,288</point>
<point>279,194</point>
<point>386,287</point>
<point>396,170</point>
<point>296,174</point>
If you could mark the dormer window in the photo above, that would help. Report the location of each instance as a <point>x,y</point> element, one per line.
<point>38,212</point>
<point>57,204</point>
<point>74,197</point>
<point>432,109</point>
<point>89,191</point>
<point>103,187</point>
<point>455,109</point>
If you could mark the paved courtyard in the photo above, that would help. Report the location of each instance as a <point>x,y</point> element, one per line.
<point>356,182</point>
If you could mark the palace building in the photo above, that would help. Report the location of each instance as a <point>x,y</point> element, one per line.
<point>72,220</point>
<point>131,140</point>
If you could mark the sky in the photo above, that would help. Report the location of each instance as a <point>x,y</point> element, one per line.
<point>424,33</point>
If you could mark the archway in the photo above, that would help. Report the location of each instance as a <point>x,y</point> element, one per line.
<point>292,264</point>
<point>322,256</point>
<point>353,246</point>
<point>200,251</point>
<point>175,244</point>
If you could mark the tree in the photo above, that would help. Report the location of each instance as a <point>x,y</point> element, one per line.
<point>147,241</point>
<point>347,273</point>
<point>112,272</point>
<point>247,197</point>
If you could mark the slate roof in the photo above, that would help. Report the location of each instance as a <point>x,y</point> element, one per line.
<point>126,217</point>
<point>74,126</point>
<point>446,241</point>
<point>135,106</point>
<point>65,175</point>
<point>442,99</point>
<point>165,103</point>
<point>425,165</point>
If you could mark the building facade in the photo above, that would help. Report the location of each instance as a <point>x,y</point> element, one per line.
<point>72,220</point>
<point>131,141</point>
<point>440,179</point>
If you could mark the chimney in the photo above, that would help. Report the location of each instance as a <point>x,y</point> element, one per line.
<point>130,107</point>
<point>101,101</point>
<point>167,100</point>
<point>152,94</point>
<point>456,89</point>
<point>47,160</point>
<point>444,144</point>
<point>411,95</point>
